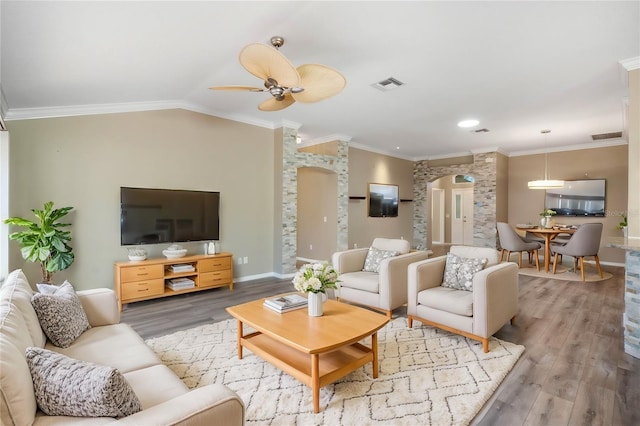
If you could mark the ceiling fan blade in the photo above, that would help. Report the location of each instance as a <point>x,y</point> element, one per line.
<point>273,104</point>
<point>250,88</point>
<point>265,61</point>
<point>319,82</point>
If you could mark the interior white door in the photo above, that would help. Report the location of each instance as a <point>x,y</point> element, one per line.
<point>437,215</point>
<point>462,216</point>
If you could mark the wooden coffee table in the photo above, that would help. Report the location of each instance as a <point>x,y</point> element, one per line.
<point>317,351</point>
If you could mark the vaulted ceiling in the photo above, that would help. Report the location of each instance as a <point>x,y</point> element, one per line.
<point>517,67</point>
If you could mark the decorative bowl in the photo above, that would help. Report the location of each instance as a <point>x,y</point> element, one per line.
<point>137,257</point>
<point>174,254</point>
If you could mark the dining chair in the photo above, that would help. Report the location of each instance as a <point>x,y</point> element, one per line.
<point>584,242</point>
<point>510,241</point>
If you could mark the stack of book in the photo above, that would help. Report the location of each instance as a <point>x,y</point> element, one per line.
<point>180,284</point>
<point>182,267</point>
<point>285,303</point>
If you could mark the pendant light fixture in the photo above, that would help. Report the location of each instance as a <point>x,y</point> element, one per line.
<point>546,182</point>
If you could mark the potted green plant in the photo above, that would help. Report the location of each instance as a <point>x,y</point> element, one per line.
<point>623,225</point>
<point>46,241</point>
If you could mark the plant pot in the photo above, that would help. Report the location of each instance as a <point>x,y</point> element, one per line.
<point>315,301</point>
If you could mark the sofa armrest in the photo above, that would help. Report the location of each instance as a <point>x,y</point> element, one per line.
<point>495,287</point>
<point>422,275</point>
<point>393,277</point>
<point>349,260</point>
<point>100,305</point>
<point>210,405</point>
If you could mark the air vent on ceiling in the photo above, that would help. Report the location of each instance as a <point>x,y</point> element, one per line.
<point>388,84</point>
<point>480,131</point>
<point>601,136</point>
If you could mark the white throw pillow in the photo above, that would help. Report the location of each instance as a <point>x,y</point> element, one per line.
<point>459,271</point>
<point>69,387</point>
<point>60,313</point>
<point>374,257</point>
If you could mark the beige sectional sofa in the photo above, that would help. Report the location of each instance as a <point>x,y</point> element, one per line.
<point>164,398</point>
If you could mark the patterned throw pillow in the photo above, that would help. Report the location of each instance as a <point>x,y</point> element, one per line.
<point>69,387</point>
<point>375,256</point>
<point>60,313</point>
<point>459,271</point>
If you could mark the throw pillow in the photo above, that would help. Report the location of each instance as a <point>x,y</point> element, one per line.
<point>459,271</point>
<point>69,387</point>
<point>374,257</point>
<point>60,313</point>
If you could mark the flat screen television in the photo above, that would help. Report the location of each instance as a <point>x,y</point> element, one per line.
<point>152,216</point>
<point>383,200</point>
<point>577,198</point>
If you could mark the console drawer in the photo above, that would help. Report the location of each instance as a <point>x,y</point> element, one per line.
<point>133,290</point>
<point>215,264</point>
<point>213,279</point>
<point>142,272</point>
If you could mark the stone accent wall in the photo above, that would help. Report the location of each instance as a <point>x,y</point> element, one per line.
<point>292,159</point>
<point>484,171</point>
<point>632,304</point>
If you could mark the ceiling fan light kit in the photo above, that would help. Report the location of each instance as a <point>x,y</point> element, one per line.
<point>545,183</point>
<point>284,82</point>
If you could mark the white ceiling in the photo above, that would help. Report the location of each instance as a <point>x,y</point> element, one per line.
<point>518,67</point>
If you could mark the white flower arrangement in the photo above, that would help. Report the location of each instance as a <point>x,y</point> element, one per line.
<point>315,278</point>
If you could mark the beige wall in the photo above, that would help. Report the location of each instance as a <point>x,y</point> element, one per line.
<point>502,188</point>
<point>634,153</point>
<point>83,161</point>
<point>367,167</point>
<point>598,163</point>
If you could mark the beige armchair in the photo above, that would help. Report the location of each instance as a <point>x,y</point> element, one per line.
<point>384,290</point>
<point>476,314</point>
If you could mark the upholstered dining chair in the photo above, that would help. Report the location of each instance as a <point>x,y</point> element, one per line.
<point>475,309</point>
<point>584,242</point>
<point>510,241</point>
<point>376,276</point>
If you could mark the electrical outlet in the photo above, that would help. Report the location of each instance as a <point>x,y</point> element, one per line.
<point>355,245</point>
<point>325,219</point>
<point>239,261</point>
<point>246,259</point>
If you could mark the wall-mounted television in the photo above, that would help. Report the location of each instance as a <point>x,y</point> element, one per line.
<point>577,198</point>
<point>152,216</point>
<point>383,200</point>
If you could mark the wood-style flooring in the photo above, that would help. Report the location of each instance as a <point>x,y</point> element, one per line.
<point>574,370</point>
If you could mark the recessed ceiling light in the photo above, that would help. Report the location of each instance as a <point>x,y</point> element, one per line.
<point>468,123</point>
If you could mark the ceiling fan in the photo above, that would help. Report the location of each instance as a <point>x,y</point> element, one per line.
<point>287,84</point>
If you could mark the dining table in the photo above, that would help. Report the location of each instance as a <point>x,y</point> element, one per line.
<point>548,234</point>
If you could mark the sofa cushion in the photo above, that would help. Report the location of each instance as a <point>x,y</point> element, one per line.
<point>459,271</point>
<point>392,244</point>
<point>155,385</point>
<point>16,290</point>
<point>60,313</point>
<point>17,400</point>
<point>459,302</point>
<point>366,281</point>
<point>116,345</point>
<point>69,387</point>
<point>374,257</point>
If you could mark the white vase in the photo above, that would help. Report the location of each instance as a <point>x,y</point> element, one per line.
<point>315,301</point>
<point>625,232</point>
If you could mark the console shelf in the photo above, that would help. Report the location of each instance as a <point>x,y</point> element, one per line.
<point>135,281</point>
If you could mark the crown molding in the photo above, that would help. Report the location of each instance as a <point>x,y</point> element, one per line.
<point>380,151</point>
<point>592,145</point>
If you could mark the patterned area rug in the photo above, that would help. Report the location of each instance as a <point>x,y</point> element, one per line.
<point>427,377</point>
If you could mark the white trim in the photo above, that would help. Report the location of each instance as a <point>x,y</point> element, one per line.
<point>630,64</point>
<point>253,277</point>
<point>380,151</point>
<point>4,204</point>
<point>612,142</point>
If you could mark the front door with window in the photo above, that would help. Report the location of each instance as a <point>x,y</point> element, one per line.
<point>462,216</point>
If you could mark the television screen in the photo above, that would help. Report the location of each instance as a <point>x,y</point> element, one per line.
<point>383,200</point>
<point>151,216</point>
<point>577,198</point>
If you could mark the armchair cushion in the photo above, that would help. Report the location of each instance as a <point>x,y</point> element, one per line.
<point>457,302</point>
<point>459,271</point>
<point>375,256</point>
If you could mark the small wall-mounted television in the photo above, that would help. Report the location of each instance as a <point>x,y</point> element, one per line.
<point>383,200</point>
<point>152,216</point>
<point>577,198</point>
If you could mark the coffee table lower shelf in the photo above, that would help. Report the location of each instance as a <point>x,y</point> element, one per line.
<point>313,370</point>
